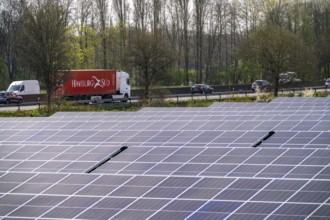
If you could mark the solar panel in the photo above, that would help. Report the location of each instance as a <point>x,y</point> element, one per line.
<point>180,163</point>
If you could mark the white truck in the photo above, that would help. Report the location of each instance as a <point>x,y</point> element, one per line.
<point>288,77</point>
<point>24,87</point>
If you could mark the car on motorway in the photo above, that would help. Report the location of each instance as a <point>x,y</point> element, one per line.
<point>201,88</point>
<point>327,83</point>
<point>10,97</point>
<point>260,85</point>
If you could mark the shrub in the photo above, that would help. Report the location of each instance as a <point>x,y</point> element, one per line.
<point>265,98</point>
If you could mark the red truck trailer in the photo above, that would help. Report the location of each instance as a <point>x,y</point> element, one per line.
<point>83,84</point>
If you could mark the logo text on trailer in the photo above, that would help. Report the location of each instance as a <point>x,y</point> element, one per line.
<point>95,82</point>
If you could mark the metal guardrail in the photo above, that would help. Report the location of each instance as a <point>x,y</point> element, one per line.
<point>297,89</point>
<point>219,95</point>
<point>113,100</point>
<point>177,97</point>
<point>22,104</point>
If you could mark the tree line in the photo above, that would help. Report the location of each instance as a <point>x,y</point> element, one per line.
<point>162,43</point>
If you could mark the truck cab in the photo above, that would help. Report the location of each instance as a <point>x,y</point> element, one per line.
<point>123,85</point>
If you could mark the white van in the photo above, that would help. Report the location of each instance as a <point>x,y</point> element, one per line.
<point>25,87</point>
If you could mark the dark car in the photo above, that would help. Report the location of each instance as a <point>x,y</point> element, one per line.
<point>10,97</point>
<point>201,88</point>
<point>260,85</point>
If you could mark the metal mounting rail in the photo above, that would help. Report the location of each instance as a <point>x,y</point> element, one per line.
<point>106,159</point>
<point>264,139</point>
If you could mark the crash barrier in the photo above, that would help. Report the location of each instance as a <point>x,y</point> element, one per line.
<point>40,99</point>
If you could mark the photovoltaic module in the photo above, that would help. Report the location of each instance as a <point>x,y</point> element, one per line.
<point>226,161</point>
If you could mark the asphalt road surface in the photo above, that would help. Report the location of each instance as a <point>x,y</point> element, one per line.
<point>179,97</point>
<point>12,108</point>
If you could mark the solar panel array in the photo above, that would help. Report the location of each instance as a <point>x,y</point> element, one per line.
<point>163,163</point>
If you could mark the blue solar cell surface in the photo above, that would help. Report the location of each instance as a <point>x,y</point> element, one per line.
<point>181,163</point>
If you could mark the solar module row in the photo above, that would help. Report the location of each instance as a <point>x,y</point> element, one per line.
<point>33,195</point>
<point>180,163</point>
<point>188,161</point>
<point>71,129</point>
<point>211,138</point>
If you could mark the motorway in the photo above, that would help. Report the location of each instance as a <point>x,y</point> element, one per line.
<point>175,97</point>
<point>15,107</point>
<point>179,97</point>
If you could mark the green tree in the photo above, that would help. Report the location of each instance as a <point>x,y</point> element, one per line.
<point>44,42</point>
<point>83,47</point>
<point>150,57</point>
<point>276,50</point>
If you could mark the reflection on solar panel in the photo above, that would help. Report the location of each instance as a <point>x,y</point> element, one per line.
<point>170,163</point>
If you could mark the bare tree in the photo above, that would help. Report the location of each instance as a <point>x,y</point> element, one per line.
<point>183,6</point>
<point>84,10</point>
<point>320,15</point>
<point>121,8</point>
<point>102,6</point>
<point>172,26</point>
<point>141,12</point>
<point>221,11</point>
<point>274,11</point>
<point>157,10</point>
<point>234,28</point>
<point>210,47</point>
<point>203,34</point>
<point>9,32</point>
<point>174,30</point>
<point>200,11</point>
<point>250,13</point>
<point>82,26</point>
